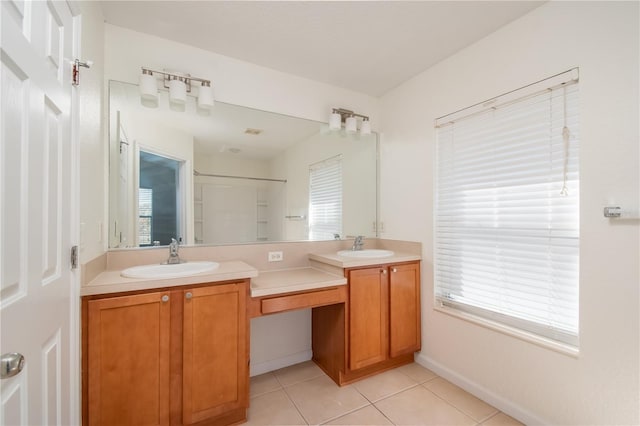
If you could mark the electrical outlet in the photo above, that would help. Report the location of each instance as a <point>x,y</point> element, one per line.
<point>275,256</point>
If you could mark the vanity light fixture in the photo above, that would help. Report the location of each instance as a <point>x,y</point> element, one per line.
<point>349,118</point>
<point>148,89</point>
<point>205,95</point>
<point>178,84</point>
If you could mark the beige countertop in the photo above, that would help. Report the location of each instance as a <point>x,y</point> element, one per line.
<point>112,282</point>
<point>334,259</point>
<point>295,279</point>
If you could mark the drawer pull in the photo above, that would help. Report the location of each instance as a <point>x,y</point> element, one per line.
<point>165,298</point>
<point>394,270</point>
<point>188,295</point>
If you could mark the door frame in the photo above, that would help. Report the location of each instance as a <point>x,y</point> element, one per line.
<point>74,233</point>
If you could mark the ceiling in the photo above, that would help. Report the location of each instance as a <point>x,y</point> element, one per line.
<point>368,47</point>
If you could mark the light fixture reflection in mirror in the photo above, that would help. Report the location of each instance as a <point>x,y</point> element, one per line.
<point>253,173</point>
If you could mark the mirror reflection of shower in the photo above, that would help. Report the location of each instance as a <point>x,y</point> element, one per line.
<point>158,200</point>
<point>237,209</point>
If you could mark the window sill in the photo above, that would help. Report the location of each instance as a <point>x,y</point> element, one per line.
<point>511,331</point>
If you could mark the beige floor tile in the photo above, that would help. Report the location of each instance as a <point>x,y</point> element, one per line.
<point>418,406</point>
<point>320,399</point>
<point>384,384</point>
<point>501,419</point>
<point>297,373</point>
<point>417,372</point>
<point>461,399</point>
<point>262,384</point>
<point>273,408</point>
<point>368,415</point>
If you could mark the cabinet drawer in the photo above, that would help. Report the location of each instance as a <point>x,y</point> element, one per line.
<point>301,301</point>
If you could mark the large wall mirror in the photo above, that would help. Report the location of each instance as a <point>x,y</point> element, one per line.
<point>233,175</point>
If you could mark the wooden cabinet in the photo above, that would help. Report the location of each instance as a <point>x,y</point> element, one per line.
<point>368,316</point>
<point>128,360</point>
<point>404,309</point>
<point>215,352</point>
<point>178,356</point>
<point>381,323</point>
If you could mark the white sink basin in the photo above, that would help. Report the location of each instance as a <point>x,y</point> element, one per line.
<point>169,271</point>
<point>365,254</point>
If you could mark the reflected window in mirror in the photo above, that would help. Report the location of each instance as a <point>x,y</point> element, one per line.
<point>325,199</point>
<point>158,199</point>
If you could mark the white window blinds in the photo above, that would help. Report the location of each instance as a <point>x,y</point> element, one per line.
<point>325,199</point>
<point>507,213</point>
<point>145,215</point>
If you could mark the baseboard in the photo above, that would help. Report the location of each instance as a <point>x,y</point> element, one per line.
<point>275,364</point>
<point>479,391</point>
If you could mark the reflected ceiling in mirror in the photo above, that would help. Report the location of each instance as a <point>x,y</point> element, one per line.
<point>233,175</point>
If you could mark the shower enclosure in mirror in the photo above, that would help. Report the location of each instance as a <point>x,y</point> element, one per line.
<point>233,175</point>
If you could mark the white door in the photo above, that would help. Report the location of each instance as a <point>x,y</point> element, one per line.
<point>37,41</point>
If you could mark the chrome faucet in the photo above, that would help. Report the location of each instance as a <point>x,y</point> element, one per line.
<point>357,243</point>
<point>173,253</point>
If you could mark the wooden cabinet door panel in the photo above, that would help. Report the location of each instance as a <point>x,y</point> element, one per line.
<point>404,307</point>
<point>128,360</point>
<point>368,317</point>
<point>214,351</point>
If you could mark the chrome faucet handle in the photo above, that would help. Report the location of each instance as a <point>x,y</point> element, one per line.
<point>173,252</point>
<point>357,243</point>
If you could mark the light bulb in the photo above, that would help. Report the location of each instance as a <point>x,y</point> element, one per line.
<point>365,129</point>
<point>205,96</point>
<point>177,92</point>
<point>350,124</point>
<point>148,89</point>
<point>335,121</point>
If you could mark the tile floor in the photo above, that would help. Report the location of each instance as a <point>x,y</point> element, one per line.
<point>409,395</point>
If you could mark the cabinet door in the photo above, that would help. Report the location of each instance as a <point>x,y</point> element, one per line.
<point>215,371</point>
<point>128,360</point>
<point>368,317</point>
<point>404,309</point>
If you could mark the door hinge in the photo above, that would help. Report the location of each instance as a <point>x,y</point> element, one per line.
<point>74,257</point>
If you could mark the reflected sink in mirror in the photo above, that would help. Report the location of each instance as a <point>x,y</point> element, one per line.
<point>368,253</point>
<point>169,271</point>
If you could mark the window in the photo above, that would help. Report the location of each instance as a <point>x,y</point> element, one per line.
<point>507,210</point>
<point>145,216</point>
<point>325,199</point>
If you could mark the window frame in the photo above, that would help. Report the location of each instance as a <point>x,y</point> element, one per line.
<point>495,320</point>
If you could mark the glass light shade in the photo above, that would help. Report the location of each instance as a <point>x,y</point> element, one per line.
<point>365,129</point>
<point>205,97</point>
<point>177,92</point>
<point>350,124</point>
<point>148,89</point>
<point>335,121</point>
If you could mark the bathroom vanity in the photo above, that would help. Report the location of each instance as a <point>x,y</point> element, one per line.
<point>176,351</point>
<point>379,327</point>
<point>165,352</point>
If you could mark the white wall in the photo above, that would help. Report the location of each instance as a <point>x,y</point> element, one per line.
<point>234,81</point>
<point>93,164</point>
<point>537,385</point>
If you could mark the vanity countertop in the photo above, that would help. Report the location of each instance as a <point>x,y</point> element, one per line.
<point>295,279</point>
<point>112,282</point>
<point>334,259</point>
